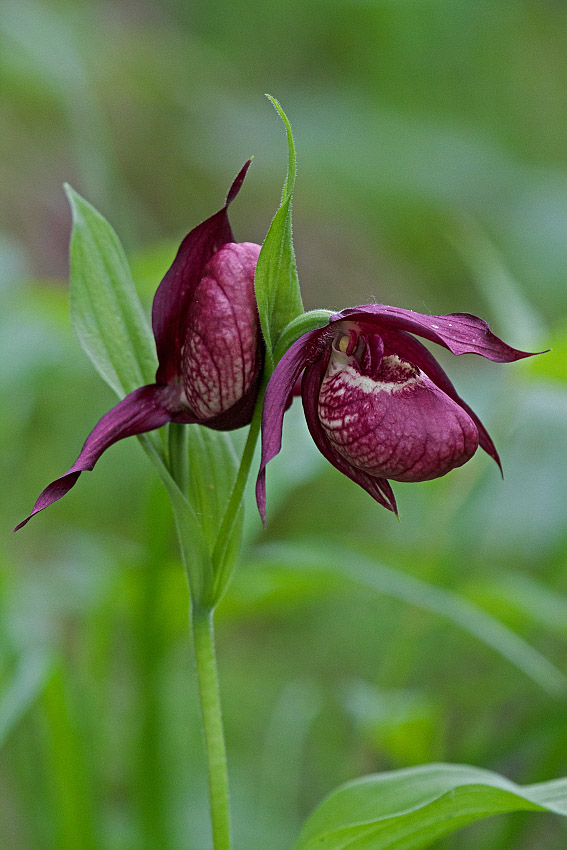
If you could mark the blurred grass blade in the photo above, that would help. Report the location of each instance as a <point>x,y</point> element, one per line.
<point>48,47</point>
<point>22,691</point>
<point>276,282</point>
<point>529,598</point>
<point>106,313</point>
<point>518,320</point>
<point>371,574</point>
<point>287,737</point>
<point>69,769</point>
<point>410,809</point>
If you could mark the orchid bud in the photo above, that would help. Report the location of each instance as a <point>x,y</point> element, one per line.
<point>209,346</point>
<point>221,355</point>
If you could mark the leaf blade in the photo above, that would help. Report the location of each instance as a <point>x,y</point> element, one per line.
<point>409,809</point>
<point>193,544</point>
<point>106,313</point>
<point>276,282</point>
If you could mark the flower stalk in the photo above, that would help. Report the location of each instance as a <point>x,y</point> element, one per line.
<point>209,696</point>
<point>179,455</point>
<point>202,633</point>
<point>236,496</point>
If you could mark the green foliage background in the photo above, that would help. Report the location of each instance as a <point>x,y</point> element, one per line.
<point>432,175</point>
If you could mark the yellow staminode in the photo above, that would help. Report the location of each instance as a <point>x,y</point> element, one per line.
<point>344,343</point>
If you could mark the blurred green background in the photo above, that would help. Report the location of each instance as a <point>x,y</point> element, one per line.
<point>432,175</point>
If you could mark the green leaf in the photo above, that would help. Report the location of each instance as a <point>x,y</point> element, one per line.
<point>193,544</point>
<point>213,463</point>
<point>368,573</point>
<point>203,465</point>
<point>410,809</point>
<point>106,313</point>
<point>277,286</point>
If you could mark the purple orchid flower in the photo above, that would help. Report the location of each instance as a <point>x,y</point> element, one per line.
<point>209,346</point>
<point>378,405</point>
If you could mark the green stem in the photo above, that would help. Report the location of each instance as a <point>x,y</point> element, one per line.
<point>179,455</point>
<point>209,695</point>
<point>298,326</point>
<point>235,500</point>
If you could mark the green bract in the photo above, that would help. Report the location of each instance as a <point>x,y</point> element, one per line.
<point>277,285</point>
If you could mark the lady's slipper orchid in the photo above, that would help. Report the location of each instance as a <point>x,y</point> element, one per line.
<point>378,405</point>
<point>209,346</point>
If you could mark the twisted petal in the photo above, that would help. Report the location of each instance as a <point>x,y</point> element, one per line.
<point>176,290</point>
<point>304,351</point>
<point>461,333</point>
<point>143,410</point>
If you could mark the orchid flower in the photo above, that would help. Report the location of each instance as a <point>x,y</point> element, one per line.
<point>377,403</point>
<point>209,347</point>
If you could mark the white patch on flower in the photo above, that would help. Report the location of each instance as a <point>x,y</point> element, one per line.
<point>370,385</point>
<point>351,377</point>
<point>349,402</point>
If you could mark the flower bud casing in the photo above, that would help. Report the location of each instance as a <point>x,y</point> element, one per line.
<point>221,357</point>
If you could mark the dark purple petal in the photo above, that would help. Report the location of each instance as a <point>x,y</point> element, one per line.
<point>413,350</point>
<point>279,389</point>
<point>377,487</point>
<point>371,358</point>
<point>222,345</point>
<point>461,333</point>
<point>175,292</point>
<point>143,410</point>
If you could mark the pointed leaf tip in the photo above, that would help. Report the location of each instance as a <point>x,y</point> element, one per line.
<point>276,283</point>
<point>292,161</point>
